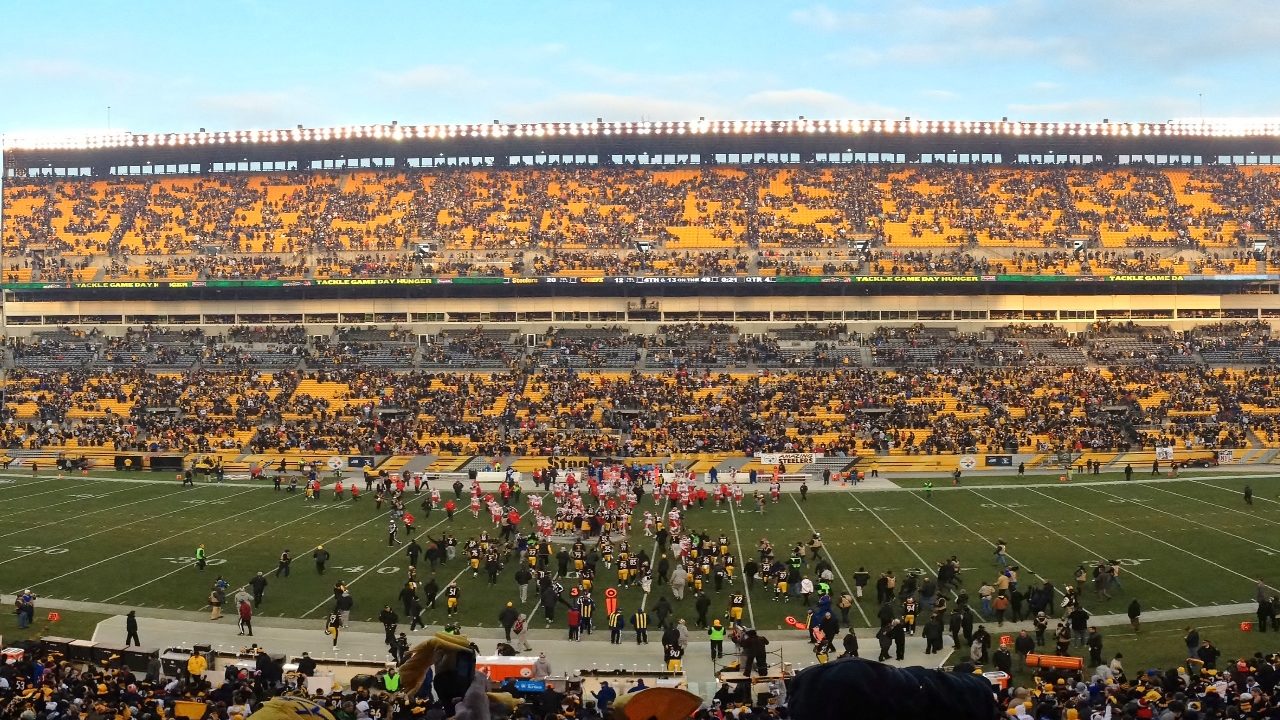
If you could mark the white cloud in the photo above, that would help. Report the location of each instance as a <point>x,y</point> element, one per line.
<point>943,95</point>
<point>258,109</point>
<point>1094,109</point>
<point>854,56</point>
<point>810,102</point>
<point>548,50</point>
<point>667,83</point>
<point>587,106</point>
<point>425,77</point>
<point>824,19</point>
<point>1082,109</point>
<point>62,71</point>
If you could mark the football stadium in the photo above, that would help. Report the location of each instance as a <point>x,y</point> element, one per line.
<point>726,351</point>
<point>750,418</point>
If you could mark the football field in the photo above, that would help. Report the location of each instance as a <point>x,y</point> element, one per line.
<point>130,540</point>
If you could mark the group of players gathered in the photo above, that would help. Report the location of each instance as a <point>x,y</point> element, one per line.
<point>574,532</point>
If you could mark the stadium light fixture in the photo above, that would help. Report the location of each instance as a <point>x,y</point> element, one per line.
<point>1218,127</point>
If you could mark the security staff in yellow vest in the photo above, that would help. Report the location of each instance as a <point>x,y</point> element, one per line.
<point>717,633</point>
<point>616,624</point>
<point>640,621</point>
<point>391,679</point>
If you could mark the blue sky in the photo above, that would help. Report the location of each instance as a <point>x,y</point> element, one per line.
<point>178,66</point>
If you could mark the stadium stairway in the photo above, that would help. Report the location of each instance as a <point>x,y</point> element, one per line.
<point>723,465</point>
<point>416,463</point>
<point>449,463</point>
<point>393,464</point>
<point>829,462</point>
<point>481,463</point>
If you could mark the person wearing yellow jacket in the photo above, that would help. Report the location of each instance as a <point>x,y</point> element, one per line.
<point>196,665</point>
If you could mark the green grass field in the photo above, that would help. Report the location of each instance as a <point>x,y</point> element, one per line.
<point>1186,543</point>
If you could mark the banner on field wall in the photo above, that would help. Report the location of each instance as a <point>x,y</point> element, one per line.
<point>793,458</point>
<point>1164,453</point>
<point>1226,456</point>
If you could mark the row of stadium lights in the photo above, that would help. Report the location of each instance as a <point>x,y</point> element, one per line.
<point>701,127</point>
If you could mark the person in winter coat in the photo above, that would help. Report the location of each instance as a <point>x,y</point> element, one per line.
<point>828,692</point>
<point>1002,660</point>
<point>702,605</point>
<point>521,629</point>
<point>983,638</point>
<point>662,611</point>
<point>830,628</point>
<point>216,597</point>
<point>131,629</point>
<point>549,600</point>
<point>682,634</point>
<point>885,638</point>
<point>541,667</point>
<point>679,581</point>
<point>850,645</point>
<point>507,619</point>
<point>1023,645</point>
<point>246,618</point>
<point>1208,655</point>
<point>932,633</point>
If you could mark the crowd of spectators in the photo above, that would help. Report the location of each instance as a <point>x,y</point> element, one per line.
<point>45,685</point>
<point>556,220</point>
<point>808,389</point>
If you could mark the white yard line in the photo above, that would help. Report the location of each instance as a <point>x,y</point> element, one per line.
<point>976,534</point>
<point>465,565</point>
<point>1251,516</point>
<point>65,489</point>
<point>64,543</point>
<point>666,502</point>
<point>924,564</point>
<point>1090,551</point>
<point>1087,483</point>
<point>1169,545</point>
<point>830,557</point>
<point>220,551</point>
<point>733,516</point>
<point>1256,496</point>
<point>397,551</point>
<point>141,547</point>
<point>264,484</point>
<point>537,594</point>
<point>1187,519</point>
<point>65,520</point>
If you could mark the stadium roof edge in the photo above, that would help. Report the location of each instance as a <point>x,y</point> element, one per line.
<point>1200,128</point>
